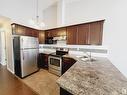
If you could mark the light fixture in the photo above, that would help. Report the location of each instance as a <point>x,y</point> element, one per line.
<point>37,23</point>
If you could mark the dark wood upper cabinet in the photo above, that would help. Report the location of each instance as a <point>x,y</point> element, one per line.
<point>61,32</point>
<point>96,33</point>
<point>72,35</point>
<point>85,34</point>
<point>90,33</point>
<point>24,31</point>
<point>18,30</point>
<point>41,37</point>
<point>82,35</point>
<point>35,33</point>
<point>56,32</point>
<point>51,33</point>
<point>28,32</point>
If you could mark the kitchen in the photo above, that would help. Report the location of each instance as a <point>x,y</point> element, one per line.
<point>79,48</point>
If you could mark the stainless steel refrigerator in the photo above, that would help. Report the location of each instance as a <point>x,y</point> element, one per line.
<point>26,51</point>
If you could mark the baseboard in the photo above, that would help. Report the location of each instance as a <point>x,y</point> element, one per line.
<point>3,64</point>
<point>10,70</point>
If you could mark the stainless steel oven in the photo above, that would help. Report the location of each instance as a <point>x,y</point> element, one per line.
<point>55,61</point>
<point>55,64</point>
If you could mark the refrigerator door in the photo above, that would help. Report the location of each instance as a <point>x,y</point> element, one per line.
<point>28,61</point>
<point>28,42</point>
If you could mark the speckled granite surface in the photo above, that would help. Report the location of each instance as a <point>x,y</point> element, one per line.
<point>99,78</point>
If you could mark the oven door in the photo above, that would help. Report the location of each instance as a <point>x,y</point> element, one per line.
<point>55,62</point>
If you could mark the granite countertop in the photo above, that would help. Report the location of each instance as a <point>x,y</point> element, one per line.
<point>100,77</point>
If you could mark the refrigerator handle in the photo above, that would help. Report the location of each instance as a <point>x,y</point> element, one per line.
<point>23,55</point>
<point>22,41</point>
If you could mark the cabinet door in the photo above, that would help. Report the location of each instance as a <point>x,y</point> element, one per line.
<point>41,37</point>
<point>82,36</point>
<point>18,30</point>
<point>24,31</point>
<point>53,33</point>
<point>72,35</point>
<point>95,36</point>
<point>35,33</point>
<point>43,60</point>
<point>28,32</point>
<point>50,33</point>
<point>61,32</point>
<point>31,32</point>
<point>67,63</point>
<point>21,30</point>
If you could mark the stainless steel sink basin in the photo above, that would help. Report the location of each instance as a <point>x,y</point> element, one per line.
<point>88,59</point>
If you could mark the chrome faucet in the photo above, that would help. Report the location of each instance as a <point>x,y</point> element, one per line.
<point>89,56</point>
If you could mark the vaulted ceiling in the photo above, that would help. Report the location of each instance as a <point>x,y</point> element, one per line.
<point>20,11</point>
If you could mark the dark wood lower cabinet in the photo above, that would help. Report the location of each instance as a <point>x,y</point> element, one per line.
<point>43,61</point>
<point>67,63</point>
<point>64,92</point>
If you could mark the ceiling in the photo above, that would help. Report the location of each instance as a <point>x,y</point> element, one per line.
<point>20,11</point>
<point>46,3</point>
<point>69,1</point>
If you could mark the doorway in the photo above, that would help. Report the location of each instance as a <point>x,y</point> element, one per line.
<point>6,43</point>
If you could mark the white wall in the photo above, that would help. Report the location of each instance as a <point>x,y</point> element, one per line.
<point>50,16</point>
<point>22,11</point>
<point>7,41</point>
<point>114,12</point>
<point>60,13</point>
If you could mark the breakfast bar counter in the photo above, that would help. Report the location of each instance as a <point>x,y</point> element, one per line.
<point>99,77</point>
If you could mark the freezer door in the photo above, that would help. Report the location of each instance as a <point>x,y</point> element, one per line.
<point>28,61</point>
<point>27,42</point>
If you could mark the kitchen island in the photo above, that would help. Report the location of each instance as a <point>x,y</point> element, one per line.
<point>99,77</point>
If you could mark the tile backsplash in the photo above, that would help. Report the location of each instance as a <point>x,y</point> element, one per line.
<point>100,51</point>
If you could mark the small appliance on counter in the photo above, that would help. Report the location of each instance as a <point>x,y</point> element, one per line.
<point>55,61</point>
<point>26,50</point>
